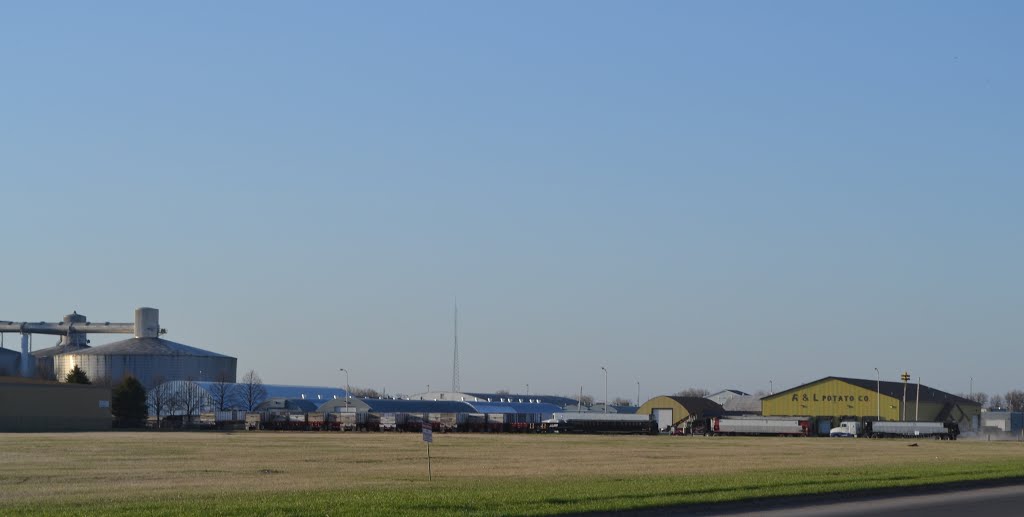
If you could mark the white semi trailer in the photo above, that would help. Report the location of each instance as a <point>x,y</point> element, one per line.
<point>796,426</point>
<point>938,430</point>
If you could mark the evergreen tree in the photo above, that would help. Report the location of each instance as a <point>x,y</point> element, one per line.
<point>77,376</point>
<point>128,403</point>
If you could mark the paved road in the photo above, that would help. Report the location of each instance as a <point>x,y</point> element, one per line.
<point>1007,500</point>
<point>1003,499</point>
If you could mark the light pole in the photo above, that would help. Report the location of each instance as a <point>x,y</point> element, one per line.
<point>637,393</point>
<point>605,388</point>
<point>972,388</point>
<point>527,389</point>
<point>878,395</point>
<point>347,392</point>
<point>771,387</point>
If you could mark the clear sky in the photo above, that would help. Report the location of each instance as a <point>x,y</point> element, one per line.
<point>713,195</point>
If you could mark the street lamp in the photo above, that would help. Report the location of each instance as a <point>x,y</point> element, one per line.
<point>605,388</point>
<point>878,395</point>
<point>637,393</point>
<point>527,389</point>
<point>348,393</point>
<point>771,387</point>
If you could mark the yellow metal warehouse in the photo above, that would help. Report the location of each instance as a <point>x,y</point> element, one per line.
<point>672,411</point>
<point>841,398</point>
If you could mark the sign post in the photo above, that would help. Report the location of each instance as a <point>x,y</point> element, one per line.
<point>428,436</point>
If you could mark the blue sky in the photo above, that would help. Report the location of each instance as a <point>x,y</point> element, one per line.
<point>712,195</point>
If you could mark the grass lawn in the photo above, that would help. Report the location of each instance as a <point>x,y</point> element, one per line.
<point>264,473</point>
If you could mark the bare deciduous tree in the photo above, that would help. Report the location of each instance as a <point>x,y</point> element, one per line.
<point>224,392</point>
<point>586,400</point>
<point>1015,400</point>
<point>160,399</point>
<point>503,392</point>
<point>996,402</point>
<point>252,391</point>
<point>978,396</point>
<point>366,393</point>
<point>619,401</point>
<point>190,398</point>
<point>693,392</point>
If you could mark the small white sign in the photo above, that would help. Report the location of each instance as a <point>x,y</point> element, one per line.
<point>428,435</point>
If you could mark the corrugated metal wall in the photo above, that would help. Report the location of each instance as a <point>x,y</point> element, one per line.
<point>831,397</point>
<point>147,368</point>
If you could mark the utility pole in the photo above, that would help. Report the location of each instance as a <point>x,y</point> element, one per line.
<point>906,377</point>
<point>348,393</point>
<point>605,388</point>
<point>455,361</point>
<point>917,404</point>
<point>878,395</point>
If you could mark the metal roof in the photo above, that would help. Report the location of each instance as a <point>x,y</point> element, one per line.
<point>496,397</point>
<point>734,392</point>
<point>892,389</point>
<point>515,408</point>
<point>625,410</point>
<point>743,404</point>
<point>417,406</point>
<point>289,404</point>
<point>59,349</point>
<point>147,346</point>
<point>317,394</point>
<point>699,405</point>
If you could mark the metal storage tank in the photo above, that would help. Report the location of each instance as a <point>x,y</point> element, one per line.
<point>44,359</point>
<point>148,357</point>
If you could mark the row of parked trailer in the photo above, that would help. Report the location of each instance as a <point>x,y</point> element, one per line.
<point>276,420</point>
<point>805,426</point>
<point>569,422</point>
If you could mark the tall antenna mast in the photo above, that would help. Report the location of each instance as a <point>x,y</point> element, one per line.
<point>455,361</point>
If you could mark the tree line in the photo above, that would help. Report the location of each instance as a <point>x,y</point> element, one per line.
<point>1013,400</point>
<point>131,404</point>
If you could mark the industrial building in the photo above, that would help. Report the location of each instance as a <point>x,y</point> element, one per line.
<point>494,397</point>
<point>724,396</point>
<point>33,405</point>
<point>449,413</point>
<point>567,404</point>
<point>674,411</point>
<point>744,404</point>
<point>1002,423</point>
<point>146,356</point>
<point>835,399</point>
<point>273,396</point>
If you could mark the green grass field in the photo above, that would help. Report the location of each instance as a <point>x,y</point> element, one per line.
<point>264,473</point>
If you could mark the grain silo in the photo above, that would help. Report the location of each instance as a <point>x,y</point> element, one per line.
<point>70,342</point>
<point>148,357</point>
